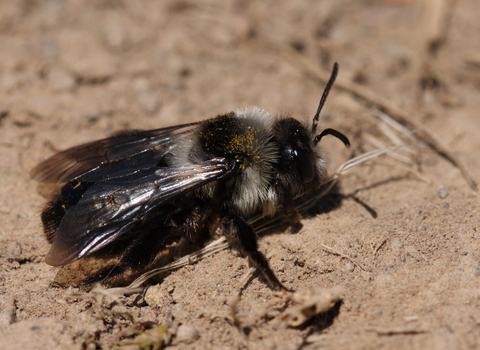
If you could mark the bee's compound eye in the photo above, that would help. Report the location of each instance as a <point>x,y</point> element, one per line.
<point>304,163</point>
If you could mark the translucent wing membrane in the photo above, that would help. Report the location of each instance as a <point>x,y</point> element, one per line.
<point>110,208</point>
<point>77,161</point>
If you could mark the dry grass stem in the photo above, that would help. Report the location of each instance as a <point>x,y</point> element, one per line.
<point>214,247</point>
<point>333,251</point>
<point>397,331</point>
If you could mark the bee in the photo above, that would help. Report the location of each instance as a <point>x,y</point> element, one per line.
<point>145,188</point>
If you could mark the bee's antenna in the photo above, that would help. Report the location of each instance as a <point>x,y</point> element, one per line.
<point>324,96</point>
<point>332,132</point>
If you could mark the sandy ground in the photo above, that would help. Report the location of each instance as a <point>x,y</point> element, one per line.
<point>405,230</point>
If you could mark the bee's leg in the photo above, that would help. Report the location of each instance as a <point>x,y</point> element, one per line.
<point>288,206</point>
<point>190,223</point>
<point>234,227</point>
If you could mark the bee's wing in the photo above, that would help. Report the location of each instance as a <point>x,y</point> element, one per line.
<point>110,208</point>
<point>77,161</point>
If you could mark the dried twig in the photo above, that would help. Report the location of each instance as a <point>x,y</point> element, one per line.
<point>214,247</point>
<point>333,251</point>
<point>396,331</point>
<point>375,249</point>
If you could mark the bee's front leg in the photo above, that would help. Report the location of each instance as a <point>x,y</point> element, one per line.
<point>287,206</point>
<point>235,228</point>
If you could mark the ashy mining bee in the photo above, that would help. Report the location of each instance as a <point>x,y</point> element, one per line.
<point>143,188</point>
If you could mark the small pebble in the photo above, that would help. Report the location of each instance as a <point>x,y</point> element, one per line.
<point>349,267</point>
<point>186,334</point>
<point>153,295</point>
<point>300,262</point>
<point>442,192</point>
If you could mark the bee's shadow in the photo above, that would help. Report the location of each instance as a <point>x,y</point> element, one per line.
<point>316,204</point>
<point>321,322</point>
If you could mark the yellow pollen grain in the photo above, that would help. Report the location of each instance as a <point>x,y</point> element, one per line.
<point>243,143</point>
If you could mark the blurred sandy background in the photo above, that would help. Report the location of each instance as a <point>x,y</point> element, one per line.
<point>407,228</point>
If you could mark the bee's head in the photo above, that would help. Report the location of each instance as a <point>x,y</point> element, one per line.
<point>301,164</point>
